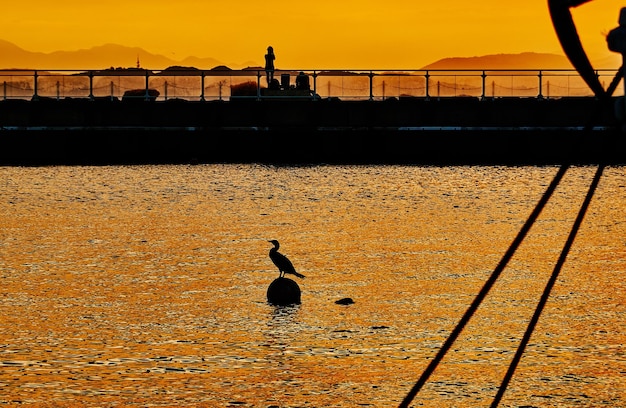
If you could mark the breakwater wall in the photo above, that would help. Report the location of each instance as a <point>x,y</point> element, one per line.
<point>303,131</point>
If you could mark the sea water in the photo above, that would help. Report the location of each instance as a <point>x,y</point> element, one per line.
<point>146,286</point>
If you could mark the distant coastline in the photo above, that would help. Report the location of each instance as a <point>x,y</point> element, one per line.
<point>113,55</point>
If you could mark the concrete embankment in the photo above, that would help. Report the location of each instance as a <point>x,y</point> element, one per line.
<point>297,131</point>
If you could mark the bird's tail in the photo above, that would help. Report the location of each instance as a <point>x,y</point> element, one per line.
<point>299,275</point>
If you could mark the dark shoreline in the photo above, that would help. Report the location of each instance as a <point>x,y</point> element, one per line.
<point>447,131</point>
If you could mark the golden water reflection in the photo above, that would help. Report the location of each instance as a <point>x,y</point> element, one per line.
<point>145,285</point>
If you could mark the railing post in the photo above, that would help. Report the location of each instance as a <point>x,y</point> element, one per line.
<point>427,86</point>
<point>35,95</point>
<point>58,90</point>
<point>112,90</point>
<point>540,96</point>
<point>371,86</point>
<point>484,76</point>
<point>314,84</point>
<point>258,85</point>
<point>624,79</point>
<point>165,90</point>
<point>568,85</point>
<point>202,83</point>
<point>91,97</point>
<point>147,86</point>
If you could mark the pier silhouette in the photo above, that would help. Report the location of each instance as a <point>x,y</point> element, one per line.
<point>447,131</point>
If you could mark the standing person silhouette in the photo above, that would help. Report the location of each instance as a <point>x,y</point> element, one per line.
<point>269,64</point>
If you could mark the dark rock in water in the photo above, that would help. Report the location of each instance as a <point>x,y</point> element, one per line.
<point>283,292</point>
<point>345,301</point>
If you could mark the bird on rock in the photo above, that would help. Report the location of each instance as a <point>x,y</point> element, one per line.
<point>283,263</point>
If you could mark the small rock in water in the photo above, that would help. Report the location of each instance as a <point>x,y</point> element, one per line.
<point>345,301</point>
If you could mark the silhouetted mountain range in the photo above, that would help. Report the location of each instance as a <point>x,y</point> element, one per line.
<point>526,60</point>
<point>113,55</point>
<point>100,57</point>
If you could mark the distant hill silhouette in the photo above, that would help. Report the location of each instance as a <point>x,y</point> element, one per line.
<point>119,56</point>
<point>526,60</point>
<point>100,57</point>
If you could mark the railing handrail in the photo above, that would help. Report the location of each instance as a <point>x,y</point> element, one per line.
<point>318,70</point>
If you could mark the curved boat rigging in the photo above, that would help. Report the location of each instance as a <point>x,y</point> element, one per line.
<point>570,41</point>
<point>565,28</point>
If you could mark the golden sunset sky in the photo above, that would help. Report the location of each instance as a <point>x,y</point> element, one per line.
<point>350,34</point>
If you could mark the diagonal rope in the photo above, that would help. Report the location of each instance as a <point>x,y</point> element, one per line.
<point>557,268</point>
<point>546,293</point>
<point>485,289</point>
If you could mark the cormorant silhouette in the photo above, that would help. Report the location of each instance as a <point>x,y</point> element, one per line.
<point>283,264</point>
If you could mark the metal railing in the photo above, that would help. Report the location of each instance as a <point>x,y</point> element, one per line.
<point>203,85</point>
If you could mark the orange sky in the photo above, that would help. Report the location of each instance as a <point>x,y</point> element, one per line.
<point>320,34</point>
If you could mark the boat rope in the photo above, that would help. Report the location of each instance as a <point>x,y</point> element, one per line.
<point>546,293</point>
<point>557,267</point>
<point>485,289</point>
